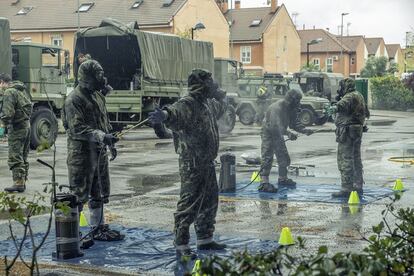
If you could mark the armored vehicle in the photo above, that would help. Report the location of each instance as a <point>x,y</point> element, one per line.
<point>319,83</point>
<point>43,69</point>
<point>312,107</point>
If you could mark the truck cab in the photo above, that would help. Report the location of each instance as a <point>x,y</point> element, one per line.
<point>43,69</point>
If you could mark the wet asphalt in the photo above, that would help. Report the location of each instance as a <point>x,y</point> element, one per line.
<point>145,183</point>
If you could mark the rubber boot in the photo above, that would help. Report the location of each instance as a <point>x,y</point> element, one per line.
<point>341,194</point>
<point>265,186</point>
<point>286,182</point>
<point>18,186</point>
<point>212,246</point>
<point>184,251</point>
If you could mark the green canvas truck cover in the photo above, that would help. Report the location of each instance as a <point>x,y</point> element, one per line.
<point>164,57</point>
<point>5,47</point>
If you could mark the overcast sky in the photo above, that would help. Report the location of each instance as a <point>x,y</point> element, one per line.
<point>389,19</point>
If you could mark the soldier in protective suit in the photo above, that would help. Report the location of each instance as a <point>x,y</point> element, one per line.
<point>15,112</point>
<point>263,101</point>
<point>87,125</point>
<point>279,116</point>
<point>351,112</point>
<point>193,120</point>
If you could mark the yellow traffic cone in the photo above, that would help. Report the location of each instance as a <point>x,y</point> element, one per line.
<point>255,177</point>
<point>196,268</point>
<point>353,209</point>
<point>82,220</point>
<point>398,186</point>
<point>353,198</point>
<point>286,237</point>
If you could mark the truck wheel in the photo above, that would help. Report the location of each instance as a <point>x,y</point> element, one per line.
<point>228,120</point>
<point>162,131</point>
<point>44,127</point>
<point>306,117</point>
<point>246,115</point>
<point>321,121</point>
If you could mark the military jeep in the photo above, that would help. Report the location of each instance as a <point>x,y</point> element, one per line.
<point>312,107</point>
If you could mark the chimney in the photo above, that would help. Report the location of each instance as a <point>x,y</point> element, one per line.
<point>224,6</point>
<point>273,5</point>
<point>237,4</point>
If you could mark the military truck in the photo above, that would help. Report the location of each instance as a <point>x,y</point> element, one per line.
<point>43,69</point>
<point>227,73</point>
<point>319,84</point>
<point>144,68</point>
<point>312,107</point>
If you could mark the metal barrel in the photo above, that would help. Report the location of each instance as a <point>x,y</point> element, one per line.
<point>227,182</point>
<point>67,228</point>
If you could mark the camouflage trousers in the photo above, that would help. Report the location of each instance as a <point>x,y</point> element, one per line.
<point>19,142</point>
<point>262,106</point>
<point>273,143</point>
<point>349,157</point>
<point>88,172</point>
<point>198,202</point>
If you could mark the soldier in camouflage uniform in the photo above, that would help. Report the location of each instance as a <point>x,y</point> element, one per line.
<point>15,113</point>
<point>193,120</point>
<point>350,119</point>
<point>87,125</point>
<point>279,116</point>
<point>263,101</point>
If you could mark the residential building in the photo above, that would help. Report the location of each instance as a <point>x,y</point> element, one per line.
<point>358,53</point>
<point>56,21</point>
<point>408,54</point>
<point>325,51</point>
<point>376,47</point>
<point>264,39</point>
<point>395,55</point>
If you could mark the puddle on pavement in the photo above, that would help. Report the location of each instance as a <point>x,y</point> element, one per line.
<point>142,184</point>
<point>237,148</point>
<point>309,154</point>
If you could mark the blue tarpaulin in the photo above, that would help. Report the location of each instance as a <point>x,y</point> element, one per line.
<point>143,250</point>
<point>308,193</point>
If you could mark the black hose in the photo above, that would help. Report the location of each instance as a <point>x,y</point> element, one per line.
<point>251,182</point>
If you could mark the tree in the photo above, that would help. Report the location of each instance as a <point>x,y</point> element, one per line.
<point>393,68</point>
<point>311,68</point>
<point>375,67</point>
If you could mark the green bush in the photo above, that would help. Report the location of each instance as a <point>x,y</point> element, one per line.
<point>390,93</point>
<point>390,251</point>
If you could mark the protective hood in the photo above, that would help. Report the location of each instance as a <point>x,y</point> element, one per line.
<point>91,75</point>
<point>293,97</point>
<point>199,82</point>
<point>346,86</point>
<point>18,85</point>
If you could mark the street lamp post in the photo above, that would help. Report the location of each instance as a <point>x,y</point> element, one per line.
<point>312,42</point>
<point>342,34</point>
<point>198,26</point>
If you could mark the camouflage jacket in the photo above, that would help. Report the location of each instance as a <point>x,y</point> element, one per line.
<point>194,124</point>
<point>85,117</point>
<point>280,116</point>
<point>16,106</point>
<point>351,109</point>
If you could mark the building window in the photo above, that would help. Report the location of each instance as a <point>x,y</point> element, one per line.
<point>352,60</point>
<point>284,43</point>
<point>246,54</point>
<point>329,65</point>
<point>136,4</point>
<point>317,62</point>
<point>57,41</point>
<point>24,10</point>
<point>85,7</point>
<point>255,23</point>
<point>167,3</point>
